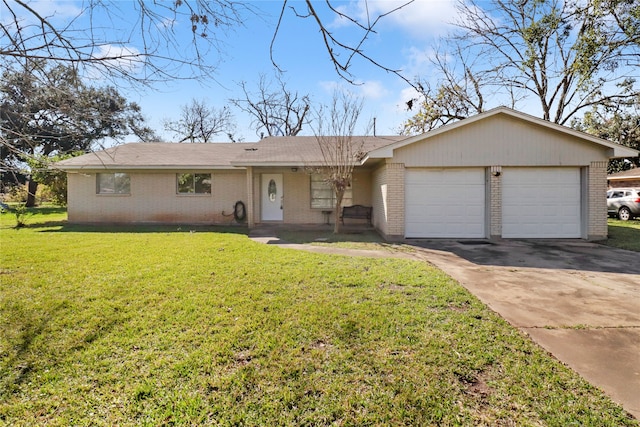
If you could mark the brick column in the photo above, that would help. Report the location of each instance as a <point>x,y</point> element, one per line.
<point>495,202</point>
<point>395,200</point>
<point>250,207</point>
<point>596,206</point>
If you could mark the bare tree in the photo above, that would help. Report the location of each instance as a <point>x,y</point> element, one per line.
<point>275,111</point>
<point>142,43</point>
<point>342,53</point>
<point>458,94</point>
<point>341,149</point>
<point>142,40</point>
<point>200,122</point>
<point>565,55</point>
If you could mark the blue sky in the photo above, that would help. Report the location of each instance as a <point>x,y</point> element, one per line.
<point>404,41</point>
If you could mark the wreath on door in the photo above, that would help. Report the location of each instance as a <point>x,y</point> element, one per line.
<point>272,190</point>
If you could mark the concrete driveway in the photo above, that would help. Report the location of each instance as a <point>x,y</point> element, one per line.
<point>578,300</point>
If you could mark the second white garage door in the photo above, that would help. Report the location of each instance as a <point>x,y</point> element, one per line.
<point>541,203</point>
<point>445,203</point>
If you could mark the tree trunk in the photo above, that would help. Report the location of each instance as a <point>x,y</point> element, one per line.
<point>32,187</point>
<point>339,196</point>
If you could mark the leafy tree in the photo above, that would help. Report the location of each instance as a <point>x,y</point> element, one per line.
<point>620,124</point>
<point>48,110</point>
<point>275,111</point>
<point>341,149</point>
<point>200,122</point>
<point>55,179</point>
<point>567,56</point>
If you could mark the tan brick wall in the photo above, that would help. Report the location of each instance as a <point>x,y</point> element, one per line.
<point>495,205</point>
<point>388,200</point>
<point>379,195</point>
<point>395,200</point>
<point>597,201</point>
<point>251,206</point>
<point>153,198</point>
<point>362,181</point>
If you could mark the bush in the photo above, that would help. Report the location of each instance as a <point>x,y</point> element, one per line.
<point>22,213</point>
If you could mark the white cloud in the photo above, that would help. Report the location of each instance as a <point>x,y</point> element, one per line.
<point>329,86</point>
<point>421,19</point>
<point>369,90</point>
<point>47,9</point>
<point>56,8</point>
<point>372,89</point>
<point>122,57</point>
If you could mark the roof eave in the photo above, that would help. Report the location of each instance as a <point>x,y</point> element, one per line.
<point>143,167</point>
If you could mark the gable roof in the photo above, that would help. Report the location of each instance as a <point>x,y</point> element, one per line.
<point>616,150</point>
<point>301,150</point>
<point>159,155</point>
<point>628,174</point>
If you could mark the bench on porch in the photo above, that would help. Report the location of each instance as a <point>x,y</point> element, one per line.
<point>356,212</point>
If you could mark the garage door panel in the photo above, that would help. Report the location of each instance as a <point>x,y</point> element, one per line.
<point>445,203</point>
<point>541,203</point>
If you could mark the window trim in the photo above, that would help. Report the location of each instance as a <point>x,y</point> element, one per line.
<point>347,200</point>
<point>116,175</point>
<point>208,175</point>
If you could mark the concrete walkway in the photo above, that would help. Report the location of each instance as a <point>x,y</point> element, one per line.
<point>578,300</point>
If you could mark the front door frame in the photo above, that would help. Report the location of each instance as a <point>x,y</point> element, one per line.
<point>272,197</point>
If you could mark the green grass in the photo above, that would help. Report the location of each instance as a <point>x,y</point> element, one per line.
<point>168,327</point>
<point>624,234</point>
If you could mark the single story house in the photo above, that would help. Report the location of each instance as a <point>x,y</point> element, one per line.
<point>628,178</point>
<point>500,174</point>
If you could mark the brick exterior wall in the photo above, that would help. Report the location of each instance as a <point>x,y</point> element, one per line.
<point>495,205</point>
<point>596,194</point>
<point>153,199</point>
<point>379,197</point>
<point>250,204</point>
<point>388,200</point>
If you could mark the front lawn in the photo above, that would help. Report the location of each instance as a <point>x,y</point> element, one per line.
<point>624,234</point>
<point>197,327</point>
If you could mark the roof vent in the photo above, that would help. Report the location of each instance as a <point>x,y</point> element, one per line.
<point>250,149</point>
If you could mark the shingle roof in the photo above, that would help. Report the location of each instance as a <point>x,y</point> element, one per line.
<point>301,150</point>
<point>273,151</point>
<point>631,173</point>
<point>159,156</point>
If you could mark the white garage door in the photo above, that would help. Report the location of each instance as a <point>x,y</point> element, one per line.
<point>445,203</point>
<point>541,203</point>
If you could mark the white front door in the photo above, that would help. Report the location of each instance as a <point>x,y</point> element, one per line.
<point>272,197</point>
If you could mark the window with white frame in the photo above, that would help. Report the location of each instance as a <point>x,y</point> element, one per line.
<point>113,183</point>
<point>193,183</point>
<point>323,196</point>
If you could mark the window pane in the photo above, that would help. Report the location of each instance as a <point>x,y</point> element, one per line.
<point>122,183</point>
<point>203,183</point>
<point>185,183</point>
<point>322,204</point>
<point>106,183</point>
<point>113,183</point>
